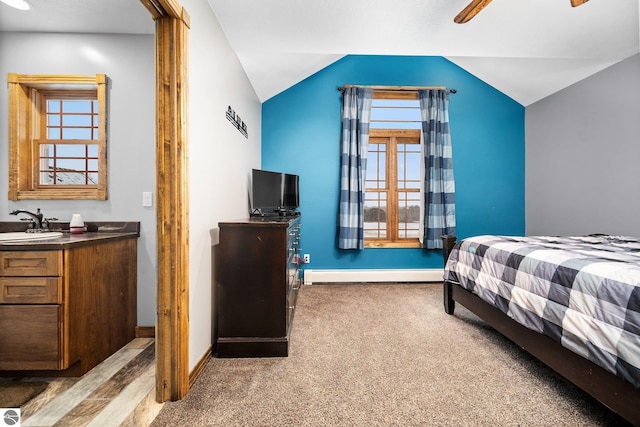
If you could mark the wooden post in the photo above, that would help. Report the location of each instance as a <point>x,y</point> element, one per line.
<point>448,242</point>
<point>172,332</point>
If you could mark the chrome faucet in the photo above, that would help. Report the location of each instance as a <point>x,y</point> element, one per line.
<point>37,217</point>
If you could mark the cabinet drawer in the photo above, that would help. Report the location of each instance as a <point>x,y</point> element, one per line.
<point>30,337</point>
<point>36,263</point>
<point>30,290</point>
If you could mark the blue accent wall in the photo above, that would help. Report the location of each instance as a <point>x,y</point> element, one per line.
<point>301,135</point>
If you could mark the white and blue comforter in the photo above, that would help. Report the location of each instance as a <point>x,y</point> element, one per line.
<point>583,292</point>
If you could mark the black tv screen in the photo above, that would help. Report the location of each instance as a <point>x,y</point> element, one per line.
<point>274,191</point>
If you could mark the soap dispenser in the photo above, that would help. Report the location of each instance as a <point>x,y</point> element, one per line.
<point>76,225</point>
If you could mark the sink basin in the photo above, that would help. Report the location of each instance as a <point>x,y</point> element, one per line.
<point>21,236</point>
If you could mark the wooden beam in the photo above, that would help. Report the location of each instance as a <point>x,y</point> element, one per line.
<point>172,331</point>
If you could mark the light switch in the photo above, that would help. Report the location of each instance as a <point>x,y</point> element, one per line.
<point>147,198</point>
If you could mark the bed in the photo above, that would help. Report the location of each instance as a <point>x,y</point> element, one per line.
<point>572,302</point>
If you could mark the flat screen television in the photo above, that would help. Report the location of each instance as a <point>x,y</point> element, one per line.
<point>291,193</point>
<point>274,193</point>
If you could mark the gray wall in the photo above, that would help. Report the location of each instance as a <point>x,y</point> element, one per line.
<point>129,63</point>
<point>583,154</point>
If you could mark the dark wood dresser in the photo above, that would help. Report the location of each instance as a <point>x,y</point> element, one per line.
<point>258,280</point>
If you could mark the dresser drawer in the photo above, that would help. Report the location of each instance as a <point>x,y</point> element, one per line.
<point>30,290</point>
<point>36,263</point>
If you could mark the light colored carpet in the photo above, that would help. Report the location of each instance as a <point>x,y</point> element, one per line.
<point>384,355</point>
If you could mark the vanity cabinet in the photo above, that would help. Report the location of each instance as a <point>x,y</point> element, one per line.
<point>63,311</point>
<point>258,283</point>
<point>30,310</point>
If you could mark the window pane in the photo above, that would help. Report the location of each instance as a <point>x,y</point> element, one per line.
<point>53,120</point>
<point>46,150</point>
<point>53,133</point>
<point>73,133</point>
<point>401,167</point>
<point>382,169</point>
<point>413,166</point>
<point>53,105</point>
<point>376,166</point>
<point>409,161</point>
<point>76,106</point>
<point>71,164</point>
<point>70,178</point>
<point>408,215</point>
<point>70,150</point>
<point>76,120</point>
<point>372,167</point>
<point>56,177</point>
<point>92,150</point>
<point>375,215</point>
<point>395,114</point>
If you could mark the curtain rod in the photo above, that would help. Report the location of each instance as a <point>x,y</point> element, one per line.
<point>399,88</point>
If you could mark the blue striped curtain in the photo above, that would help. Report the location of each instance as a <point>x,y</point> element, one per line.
<point>439,188</point>
<point>356,110</point>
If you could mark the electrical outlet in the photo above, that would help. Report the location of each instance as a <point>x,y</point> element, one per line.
<point>306,258</point>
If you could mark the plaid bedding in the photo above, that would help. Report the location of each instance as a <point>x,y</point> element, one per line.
<point>583,292</point>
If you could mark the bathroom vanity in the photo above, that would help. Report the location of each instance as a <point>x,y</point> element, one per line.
<point>69,302</point>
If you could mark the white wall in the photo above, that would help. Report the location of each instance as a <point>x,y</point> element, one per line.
<point>128,61</point>
<point>220,158</point>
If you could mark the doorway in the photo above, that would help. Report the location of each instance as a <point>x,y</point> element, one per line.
<point>172,207</point>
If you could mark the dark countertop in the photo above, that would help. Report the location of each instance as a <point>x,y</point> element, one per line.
<point>96,232</point>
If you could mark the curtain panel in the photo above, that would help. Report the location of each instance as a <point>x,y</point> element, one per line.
<point>439,188</point>
<point>356,111</point>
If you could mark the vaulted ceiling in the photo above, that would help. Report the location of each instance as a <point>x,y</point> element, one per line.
<point>527,49</point>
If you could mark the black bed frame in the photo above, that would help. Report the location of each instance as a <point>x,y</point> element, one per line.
<point>613,392</point>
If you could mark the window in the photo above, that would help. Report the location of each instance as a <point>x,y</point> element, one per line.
<point>392,213</point>
<point>57,137</point>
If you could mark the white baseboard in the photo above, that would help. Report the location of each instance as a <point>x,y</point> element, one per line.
<point>372,276</point>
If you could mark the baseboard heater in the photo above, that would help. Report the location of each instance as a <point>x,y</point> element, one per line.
<point>373,276</point>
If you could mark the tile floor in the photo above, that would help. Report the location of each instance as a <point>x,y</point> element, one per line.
<point>118,392</point>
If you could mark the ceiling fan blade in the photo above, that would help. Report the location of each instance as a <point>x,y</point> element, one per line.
<point>472,10</point>
<point>575,3</point>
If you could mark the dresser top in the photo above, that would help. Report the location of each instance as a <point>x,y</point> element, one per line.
<point>272,221</point>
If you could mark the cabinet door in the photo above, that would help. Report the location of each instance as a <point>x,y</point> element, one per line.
<point>30,337</point>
